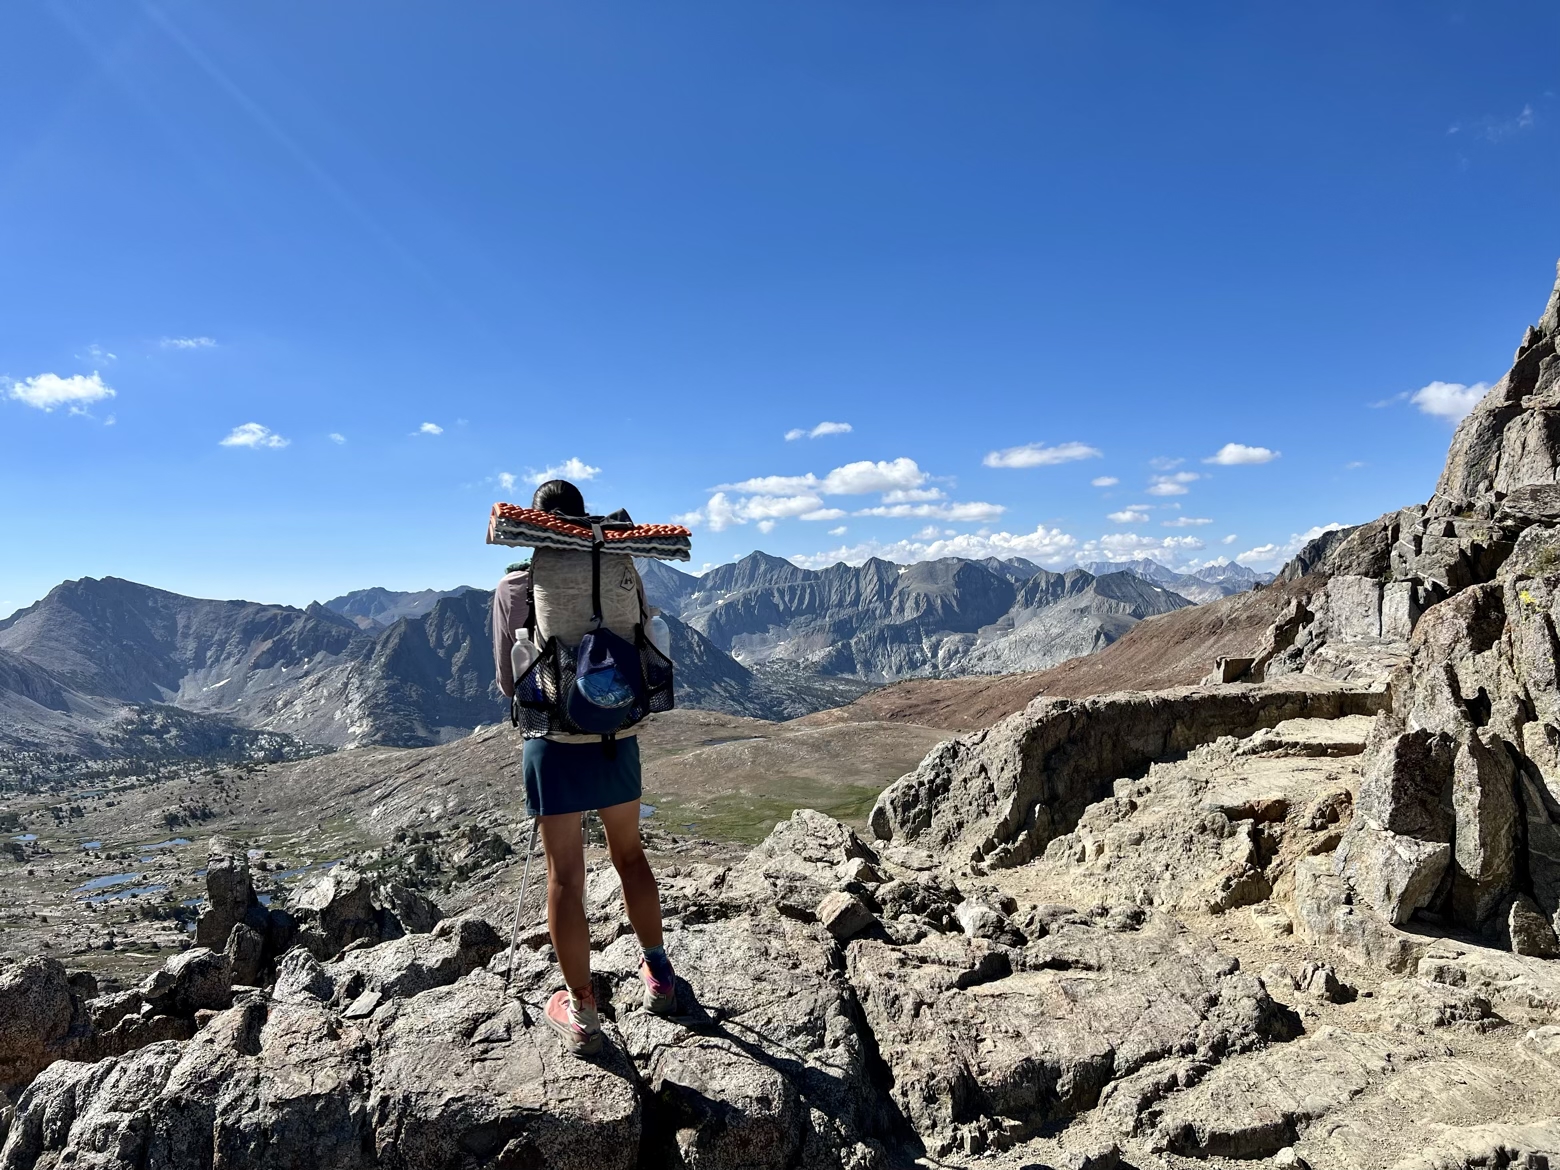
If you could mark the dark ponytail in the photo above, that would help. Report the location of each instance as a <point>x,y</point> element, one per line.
<point>560,497</point>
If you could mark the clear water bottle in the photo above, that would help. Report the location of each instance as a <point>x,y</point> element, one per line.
<point>521,656</point>
<point>660,635</point>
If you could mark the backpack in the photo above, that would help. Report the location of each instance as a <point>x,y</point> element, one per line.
<point>609,679</point>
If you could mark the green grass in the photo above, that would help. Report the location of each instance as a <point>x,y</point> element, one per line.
<point>747,818</point>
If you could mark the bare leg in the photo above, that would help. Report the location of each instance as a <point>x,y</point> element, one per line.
<point>640,896</point>
<point>565,849</point>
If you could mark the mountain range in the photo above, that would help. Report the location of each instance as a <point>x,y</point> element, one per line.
<point>880,622</point>
<point>110,668</point>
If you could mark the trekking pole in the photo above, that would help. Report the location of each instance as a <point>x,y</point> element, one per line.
<point>514,934</point>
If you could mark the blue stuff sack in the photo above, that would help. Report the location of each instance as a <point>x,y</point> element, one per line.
<point>608,690</point>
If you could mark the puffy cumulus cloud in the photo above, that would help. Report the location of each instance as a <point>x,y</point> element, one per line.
<point>723,512</point>
<point>430,429</point>
<point>337,438</point>
<point>840,531</point>
<point>1043,544</point>
<point>823,514</point>
<point>766,525</point>
<point>1187,522</point>
<point>912,495</point>
<point>1230,539</point>
<point>854,479</point>
<point>1234,454</point>
<point>188,343</point>
<point>570,469</point>
<point>1104,481</point>
<point>1128,516</point>
<point>973,512</point>
<point>1172,485</point>
<point>1449,400</point>
<point>48,392</point>
<point>818,432</point>
<point>1271,555</point>
<point>252,434</point>
<point>1039,455</point>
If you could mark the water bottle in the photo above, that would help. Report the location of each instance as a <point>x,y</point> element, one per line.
<point>522,656</point>
<point>660,636</point>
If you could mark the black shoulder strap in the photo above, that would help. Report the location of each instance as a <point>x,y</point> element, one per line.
<point>530,609</point>
<point>597,540</point>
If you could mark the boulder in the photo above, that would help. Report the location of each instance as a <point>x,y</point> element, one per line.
<point>197,979</point>
<point>1393,873</point>
<point>1531,932</point>
<point>407,966</point>
<point>460,1079</point>
<point>230,897</point>
<point>245,952</point>
<point>39,1017</point>
<point>844,915</point>
<point>336,910</point>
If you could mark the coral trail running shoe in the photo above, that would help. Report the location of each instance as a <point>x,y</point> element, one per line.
<point>660,994</point>
<point>578,1027</point>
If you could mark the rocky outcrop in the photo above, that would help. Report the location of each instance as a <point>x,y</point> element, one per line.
<point>997,797</point>
<point>793,1045</point>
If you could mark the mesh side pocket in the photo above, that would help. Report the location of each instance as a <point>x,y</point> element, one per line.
<point>657,668</point>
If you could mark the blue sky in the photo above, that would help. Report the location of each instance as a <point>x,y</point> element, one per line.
<point>293,291</point>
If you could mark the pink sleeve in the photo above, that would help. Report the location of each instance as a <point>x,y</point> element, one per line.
<point>511,608</point>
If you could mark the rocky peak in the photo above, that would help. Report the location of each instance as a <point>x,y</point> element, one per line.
<point>1512,437</point>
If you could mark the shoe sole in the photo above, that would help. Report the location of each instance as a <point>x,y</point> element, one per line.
<point>571,1039</point>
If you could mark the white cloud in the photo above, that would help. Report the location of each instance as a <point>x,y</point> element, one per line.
<point>1104,481</point>
<point>188,343</point>
<point>97,353</point>
<point>1037,455</point>
<point>337,438</point>
<point>1271,556</point>
<point>47,391</point>
<point>507,481</point>
<point>1232,454</point>
<point>1043,544</point>
<point>1449,400</point>
<point>252,434</point>
<point>912,495</point>
<point>1172,485</point>
<point>853,479</point>
<point>1165,463</point>
<point>823,514</point>
<point>1230,539</point>
<point>1187,522</point>
<point>723,512</point>
<point>1128,516</point>
<point>823,428</point>
<point>766,526</point>
<point>570,469</point>
<point>972,512</point>
<point>430,429</point>
<point>840,531</point>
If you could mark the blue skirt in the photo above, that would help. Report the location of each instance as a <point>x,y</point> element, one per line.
<point>579,777</point>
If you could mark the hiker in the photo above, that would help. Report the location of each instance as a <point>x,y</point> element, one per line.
<point>558,596</point>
